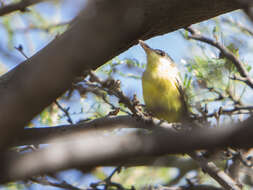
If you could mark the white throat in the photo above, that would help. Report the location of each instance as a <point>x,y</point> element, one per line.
<point>166,68</point>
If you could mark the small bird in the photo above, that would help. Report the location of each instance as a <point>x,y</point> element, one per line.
<point>162,87</point>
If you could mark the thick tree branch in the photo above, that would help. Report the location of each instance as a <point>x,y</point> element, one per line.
<point>93,148</point>
<point>41,135</point>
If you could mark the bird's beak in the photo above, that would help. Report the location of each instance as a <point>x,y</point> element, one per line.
<point>145,46</point>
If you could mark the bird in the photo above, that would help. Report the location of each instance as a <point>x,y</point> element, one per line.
<point>163,92</point>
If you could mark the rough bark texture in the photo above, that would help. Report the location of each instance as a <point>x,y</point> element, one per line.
<point>103,29</point>
<point>90,148</point>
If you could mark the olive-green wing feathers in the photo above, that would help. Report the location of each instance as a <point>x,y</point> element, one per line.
<point>183,96</point>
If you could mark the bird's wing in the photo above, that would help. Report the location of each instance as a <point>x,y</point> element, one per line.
<point>183,95</point>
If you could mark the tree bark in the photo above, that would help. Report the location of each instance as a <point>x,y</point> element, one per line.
<point>101,31</point>
<point>88,149</point>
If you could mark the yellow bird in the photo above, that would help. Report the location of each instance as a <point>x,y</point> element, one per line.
<point>162,88</point>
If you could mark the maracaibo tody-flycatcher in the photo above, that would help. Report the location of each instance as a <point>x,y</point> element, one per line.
<point>162,87</point>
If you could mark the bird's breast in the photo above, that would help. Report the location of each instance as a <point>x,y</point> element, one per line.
<point>161,94</point>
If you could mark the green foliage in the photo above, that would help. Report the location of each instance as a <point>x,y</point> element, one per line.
<point>99,173</point>
<point>14,186</point>
<point>116,67</point>
<point>144,176</point>
<point>208,71</point>
<point>49,116</point>
<point>6,21</point>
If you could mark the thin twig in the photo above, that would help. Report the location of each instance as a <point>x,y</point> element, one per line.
<point>62,184</point>
<point>238,25</point>
<point>238,78</point>
<point>113,87</point>
<point>44,28</point>
<point>20,6</point>
<point>235,110</point>
<point>98,92</point>
<point>65,111</point>
<point>107,182</point>
<point>20,49</point>
<point>185,187</point>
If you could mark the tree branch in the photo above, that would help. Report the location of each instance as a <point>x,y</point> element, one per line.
<point>20,6</point>
<point>186,187</point>
<point>38,135</point>
<point>93,148</point>
<point>41,135</point>
<point>216,173</point>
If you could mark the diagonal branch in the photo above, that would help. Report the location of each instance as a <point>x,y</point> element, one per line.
<point>19,6</point>
<point>220,176</point>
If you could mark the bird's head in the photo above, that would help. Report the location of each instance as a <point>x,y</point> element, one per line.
<point>156,56</point>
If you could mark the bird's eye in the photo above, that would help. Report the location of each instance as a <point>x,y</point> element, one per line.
<point>161,53</point>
